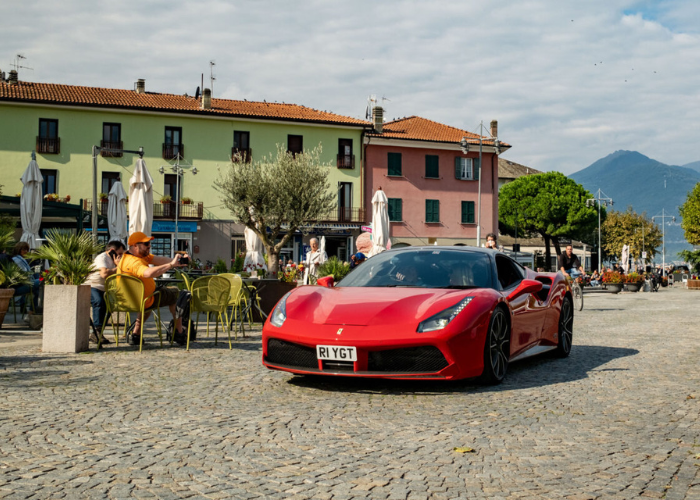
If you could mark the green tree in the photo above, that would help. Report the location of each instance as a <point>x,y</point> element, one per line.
<point>277,195</point>
<point>690,212</point>
<point>633,229</point>
<point>551,205</point>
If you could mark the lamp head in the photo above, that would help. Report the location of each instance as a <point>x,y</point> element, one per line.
<point>194,170</point>
<point>161,169</point>
<point>464,145</point>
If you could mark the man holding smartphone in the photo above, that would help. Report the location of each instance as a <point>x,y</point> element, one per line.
<point>106,265</point>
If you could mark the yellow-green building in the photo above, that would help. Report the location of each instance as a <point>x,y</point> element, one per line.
<point>62,123</point>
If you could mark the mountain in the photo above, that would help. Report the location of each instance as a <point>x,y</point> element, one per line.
<point>694,166</point>
<point>632,179</point>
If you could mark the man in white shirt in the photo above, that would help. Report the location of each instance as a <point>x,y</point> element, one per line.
<point>313,261</point>
<point>106,265</point>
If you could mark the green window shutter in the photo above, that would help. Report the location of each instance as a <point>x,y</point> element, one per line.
<point>395,209</point>
<point>432,166</point>
<point>476,166</point>
<point>467,212</point>
<point>394,161</point>
<point>432,211</point>
<point>458,167</point>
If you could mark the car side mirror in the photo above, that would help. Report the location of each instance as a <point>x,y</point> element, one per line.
<point>326,281</point>
<point>525,286</point>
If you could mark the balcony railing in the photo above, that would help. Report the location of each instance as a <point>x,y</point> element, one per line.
<point>191,211</point>
<point>48,146</point>
<point>241,154</point>
<point>171,151</point>
<point>342,214</point>
<point>111,145</point>
<point>346,161</point>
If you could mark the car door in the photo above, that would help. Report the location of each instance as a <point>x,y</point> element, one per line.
<point>527,310</point>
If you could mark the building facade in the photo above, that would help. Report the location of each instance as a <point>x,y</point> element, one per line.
<point>62,123</point>
<point>433,186</point>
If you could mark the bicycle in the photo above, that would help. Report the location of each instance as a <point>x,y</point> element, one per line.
<point>577,292</point>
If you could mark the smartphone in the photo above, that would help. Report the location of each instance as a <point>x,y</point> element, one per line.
<point>183,258</point>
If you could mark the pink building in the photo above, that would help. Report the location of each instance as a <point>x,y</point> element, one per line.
<point>432,186</point>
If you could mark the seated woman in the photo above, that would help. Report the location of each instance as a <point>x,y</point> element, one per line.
<point>21,249</point>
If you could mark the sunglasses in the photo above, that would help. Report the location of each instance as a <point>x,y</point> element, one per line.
<point>145,244</point>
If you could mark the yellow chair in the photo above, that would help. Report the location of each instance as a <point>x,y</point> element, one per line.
<point>234,302</point>
<point>125,294</point>
<point>186,280</point>
<point>210,294</point>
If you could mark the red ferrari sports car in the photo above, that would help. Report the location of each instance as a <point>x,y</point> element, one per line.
<point>422,313</point>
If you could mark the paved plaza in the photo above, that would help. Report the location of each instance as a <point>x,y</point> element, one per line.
<point>620,418</point>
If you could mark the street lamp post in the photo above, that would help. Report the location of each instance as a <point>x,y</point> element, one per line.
<point>465,149</point>
<point>644,260</point>
<point>179,170</point>
<point>604,200</point>
<point>663,218</point>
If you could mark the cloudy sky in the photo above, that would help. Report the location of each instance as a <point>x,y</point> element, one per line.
<point>569,81</point>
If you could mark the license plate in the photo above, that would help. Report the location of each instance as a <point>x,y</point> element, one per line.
<point>336,353</point>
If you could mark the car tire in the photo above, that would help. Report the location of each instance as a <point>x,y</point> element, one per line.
<point>566,328</point>
<point>496,348</point>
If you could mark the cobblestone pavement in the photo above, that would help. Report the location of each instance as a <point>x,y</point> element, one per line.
<point>620,418</point>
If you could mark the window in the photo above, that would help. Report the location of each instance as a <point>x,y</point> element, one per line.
<point>467,212</point>
<point>162,245</point>
<point>295,144</point>
<point>432,167</point>
<point>394,163</point>
<point>112,139</point>
<point>173,147</point>
<point>432,210</point>
<point>344,201</point>
<point>345,157</point>
<point>50,184</point>
<point>241,146</point>
<point>467,169</point>
<point>170,186</point>
<point>395,209</point>
<point>108,180</point>
<point>47,141</point>
<point>509,273</point>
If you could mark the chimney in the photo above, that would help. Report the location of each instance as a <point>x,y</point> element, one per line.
<point>378,118</point>
<point>140,86</point>
<point>206,99</point>
<point>494,128</point>
<point>13,77</point>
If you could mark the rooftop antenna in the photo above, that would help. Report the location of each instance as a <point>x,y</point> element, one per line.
<point>371,103</point>
<point>18,63</point>
<point>212,63</point>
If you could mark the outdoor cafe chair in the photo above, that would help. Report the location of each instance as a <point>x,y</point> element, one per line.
<point>124,293</point>
<point>29,296</point>
<point>234,302</point>
<point>210,294</point>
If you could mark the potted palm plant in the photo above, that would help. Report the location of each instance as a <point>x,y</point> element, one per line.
<point>66,297</point>
<point>11,275</point>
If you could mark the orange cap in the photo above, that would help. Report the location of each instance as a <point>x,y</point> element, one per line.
<point>139,237</point>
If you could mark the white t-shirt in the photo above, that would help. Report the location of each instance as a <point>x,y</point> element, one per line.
<point>95,280</point>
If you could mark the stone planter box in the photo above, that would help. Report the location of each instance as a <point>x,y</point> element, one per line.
<point>6,295</point>
<point>693,284</point>
<point>614,287</point>
<point>269,296</point>
<point>66,318</point>
<point>633,287</point>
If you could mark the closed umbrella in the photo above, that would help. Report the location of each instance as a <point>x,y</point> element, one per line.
<point>322,245</point>
<point>31,203</point>
<point>116,213</point>
<point>254,259</point>
<point>625,257</point>
<point>140,199</point>
<point>380,222</point>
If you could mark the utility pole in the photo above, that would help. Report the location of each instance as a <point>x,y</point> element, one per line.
<point>604,199</point>
<point>663,218</point>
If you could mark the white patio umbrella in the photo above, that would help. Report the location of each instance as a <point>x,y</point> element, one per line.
<point>140,199</point>
<point>116,213</point>
<point>322,245</point>
<point>31,203</point>
<point>254,251</point>
<point>380,222</point>
<point>625,258</point>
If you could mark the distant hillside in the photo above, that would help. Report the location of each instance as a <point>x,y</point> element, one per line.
<point>694,166</point>
<point>630,178</point>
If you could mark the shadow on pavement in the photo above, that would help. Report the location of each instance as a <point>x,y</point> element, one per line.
<point>532,372</point>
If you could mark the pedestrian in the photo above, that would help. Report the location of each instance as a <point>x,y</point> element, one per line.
<point>20,250</point>
<point>314,258</point>
<point>569,264</point>
<point>105,266</point>
<point>491,241</point>
<point>357,259</point>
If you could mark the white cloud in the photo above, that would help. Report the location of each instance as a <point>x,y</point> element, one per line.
<point>569,82</point>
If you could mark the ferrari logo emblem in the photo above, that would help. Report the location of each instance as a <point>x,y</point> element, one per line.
<point>340,330</point>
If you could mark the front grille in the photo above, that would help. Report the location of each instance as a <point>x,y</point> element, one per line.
<point>339,366</point>
<point>424,359</point>
<point>280,352</point>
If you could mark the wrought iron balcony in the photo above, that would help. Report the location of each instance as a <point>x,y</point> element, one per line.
<point>172,151</point>
<point>48,146</point>
<point>188,211</point>
<point>346,161</point>
<point>342,214</point>
<point>111,145</point>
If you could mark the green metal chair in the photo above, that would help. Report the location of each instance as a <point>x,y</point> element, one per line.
<point>210,294</point>
<point>234,302</point>
<point>28,296</point>
<point>124,293</point>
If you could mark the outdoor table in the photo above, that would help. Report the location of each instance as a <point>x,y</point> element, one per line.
<point>251,286</point>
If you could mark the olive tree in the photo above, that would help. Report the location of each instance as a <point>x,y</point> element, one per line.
<point>276,195</point>
<point>633,229</point>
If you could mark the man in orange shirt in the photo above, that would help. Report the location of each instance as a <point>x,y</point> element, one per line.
<point>136,262</point>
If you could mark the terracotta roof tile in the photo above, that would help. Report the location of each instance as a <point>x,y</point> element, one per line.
<point>416,128</point>
<point>52,93</point>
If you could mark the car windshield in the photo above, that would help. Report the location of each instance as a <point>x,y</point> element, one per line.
<point>424,269</point>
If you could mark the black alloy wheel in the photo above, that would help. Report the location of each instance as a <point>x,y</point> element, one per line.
<point>566,328</point>
<point>496,348</point>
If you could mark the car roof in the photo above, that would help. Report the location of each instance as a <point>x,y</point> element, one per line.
<point>487,251</point>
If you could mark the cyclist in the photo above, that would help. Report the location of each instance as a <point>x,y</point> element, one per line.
<point>569,264</point>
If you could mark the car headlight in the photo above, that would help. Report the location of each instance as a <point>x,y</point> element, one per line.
<point>443,318</point>
<point>280,313</point>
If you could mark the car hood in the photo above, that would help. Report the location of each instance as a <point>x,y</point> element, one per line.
<point>368,306</point>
